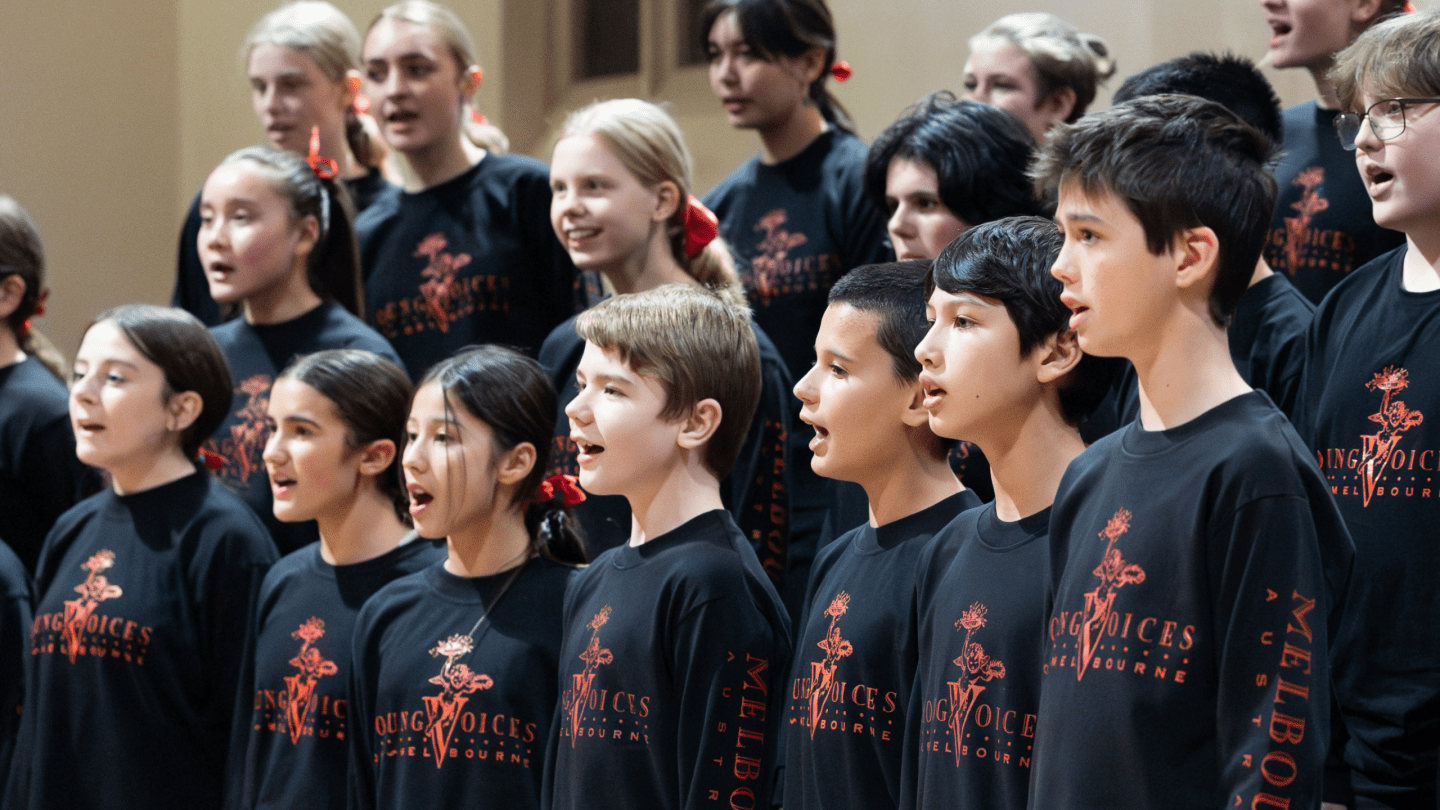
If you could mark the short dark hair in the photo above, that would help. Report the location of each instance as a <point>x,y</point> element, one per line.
<point>895,292</point>
<point>979,154</point>
<point>372,396</point>
<point>512,394</point>
<point>1227,78</point>
<point>187,354</point>
<point>1009,261</point>
<point>1177,162</point>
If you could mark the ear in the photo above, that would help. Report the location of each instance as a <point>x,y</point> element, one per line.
<point>470,81</point>
<point>700,426</point>
<point>809,64</point>
<point>375,457</point>
<point>516,464</point>
<point>915,414</point>
<point>12,292</point>
<point>353,83</point>
<point>1196,252</point>
<point>1364,13</point>
<point>667,202</point>
<point>182,409</point>
<point>309,235</point>
<point>1059,103</point>
<point>1058,356</point>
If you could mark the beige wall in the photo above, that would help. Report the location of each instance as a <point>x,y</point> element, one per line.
<point>112,114</point>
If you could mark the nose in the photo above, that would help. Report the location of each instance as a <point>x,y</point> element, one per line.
<point>722,69</point>
<point>272,454</point>
<point>578,411</point>
<point>1365,140</point>
<point>82,389</point>
<point>1061,270</point>
<point>804,389</point>
<point>925,351</point>
<point>411,459</point>
<point>900,224</point>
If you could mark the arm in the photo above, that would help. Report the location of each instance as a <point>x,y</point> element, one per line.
<point>361,780</point>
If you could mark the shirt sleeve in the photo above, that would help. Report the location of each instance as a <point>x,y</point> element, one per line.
<point>361,779</point>
<point>764,513</point>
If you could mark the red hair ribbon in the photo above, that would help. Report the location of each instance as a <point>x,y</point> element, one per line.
<point>361,104</point>
<point>564,487</point>
<point>1408,8</point>
<point>841,71</point>
<point>701,227</point>
<point>25,329</point>
<point>214,462</point>
<point>324,167</point>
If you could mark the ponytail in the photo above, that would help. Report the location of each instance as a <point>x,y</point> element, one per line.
<point>552,524</point>
<point>22,255</point>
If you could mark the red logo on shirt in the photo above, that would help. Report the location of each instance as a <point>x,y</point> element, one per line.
<point>95,589</point>
<point>1394,418</point>
<point>456,682</point>
<point>769,265</point>
<point>1309,204</point>
<point>243,448</point>
<point>300,687</point>
<point>439,274</point>
<point>976,668</point>
<point>822,673</point>
<point>580,689</point>
<point>1114,573</point>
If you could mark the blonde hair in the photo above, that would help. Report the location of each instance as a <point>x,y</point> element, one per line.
<point>650,145</point>
<point>1397,57</point>
<point>443,21</point>
<point>698,343</point>
<point>1060,55</point>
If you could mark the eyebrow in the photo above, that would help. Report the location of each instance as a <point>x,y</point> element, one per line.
<point>1074,217</point>
<point>300,418</point>
<point>835,354</point>
<point>108,361</point>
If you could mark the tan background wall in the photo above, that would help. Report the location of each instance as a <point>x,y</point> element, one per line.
<point>112,114</point>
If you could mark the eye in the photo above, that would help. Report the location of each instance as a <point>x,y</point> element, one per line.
<point>579,385</point>
<point>258,85</point>
<point>114,377</point>
<point>375,74</point>
<point>441,437</point>
<point>970,84</point>
<point>410,437</point>
<point>419,70</point>
<point>838,370</point>
<point>300,430</point>
<point>612,391</point>
<point>962,322</point>
<point>890,205</point>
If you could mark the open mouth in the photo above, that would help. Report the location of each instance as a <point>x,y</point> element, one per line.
<point>587,450</point>
<point>419,499</point>
<point>578,234</point>
<point>219,269</point>
<point>401,117</point>
<point>90,427</point>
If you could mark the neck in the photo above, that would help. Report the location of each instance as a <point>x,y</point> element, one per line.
<point>1027,461</point>
<point>443,160</point>
<point>1422,261</point>
<point>647,270</point>
<point>1189,373</point>
<point>912,481</point>
<point>150,472</point>
<point>683,492</point>
<point>784,140</point>
<point>282,302</point>
<point>334,145</point>
<point>365,528</point>
<point>1262,272</point>
<point>496,543</point>
<point>1324,88</point>
<point>10,351</point>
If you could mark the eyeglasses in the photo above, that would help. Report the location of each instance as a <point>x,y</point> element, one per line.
<point>1387,120</point>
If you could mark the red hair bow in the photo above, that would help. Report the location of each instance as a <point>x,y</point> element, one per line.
<point>214,462</point>
<point>564,487</point>
<point>701,227</point>
<point>841,71</point>
<point>324,167</point>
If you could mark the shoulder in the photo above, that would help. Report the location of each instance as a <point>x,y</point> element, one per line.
<point>842,547</point>
<point>509,170</point>
<point>30,390</point>
<point>14,579</point>
<point>1354,296</point>
<point>290,567</point>
<point>222,527</point>
<point>392,600</point>
<point>739,180</point>
<point>229,333</point>
<point>341,329</point>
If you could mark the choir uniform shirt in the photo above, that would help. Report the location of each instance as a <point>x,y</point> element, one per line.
<point>673,660</point>
<point>471,260</point>
<point>1369,405</point>
<point>1323,226</point>
<point>855,655</point>
<point>1193,573</point>
<point>442,719</point>
<point>291,747</point>
<point>192,289</point>
<point>16,614</point>
<point>134,653</point>
<point>971,720</point>
<point>40,477</point>
<point>257,354</point>
<point>757,490</point>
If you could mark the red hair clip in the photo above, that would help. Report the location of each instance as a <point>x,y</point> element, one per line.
<point>361,104</point>
<point>214,462</point>
<point>324,167</point>
<point>564,487</point>
<point>841,71</point>
<point>701,227</point>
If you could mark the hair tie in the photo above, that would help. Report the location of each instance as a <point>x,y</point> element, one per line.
<point>25,329</point>
<point>324,167</point>
<point>1408,8</point>
<point>841,71</point>
<point>40,302</point>
<point>478,117</point>
<point>361,104</point>
<point>558,490</point>
<point>701,227</point>
<point>214,462</point>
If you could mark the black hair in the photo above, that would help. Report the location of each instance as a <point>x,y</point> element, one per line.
<point>372,396</point>
<point>1177,162</point>
<point>333,268</point>
<point>511,394</point>
<point>791,28</point>
<point>979,154</point>
<point>1226,78</point>
<point>1009,261</point>
<point>895,292</point>
<point>187,354</point>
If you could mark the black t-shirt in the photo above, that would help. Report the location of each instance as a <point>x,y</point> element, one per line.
<point>40,477</point>
<point>757,490</point>
<point>671,674</point>
<point>292,708</point>
<point>1194,571</point>
<point>795,227</point>
<point>982,605</point>
<point>854,664</point>
<point>192,289</point>
<point>1267,343</point>
<point>1368,409</point>
<point>135,649</point>
<point>445,720</point>
<point>16,615</point>
<point>257,354</point>
<point>1323,226</point>
<point>472,260</point>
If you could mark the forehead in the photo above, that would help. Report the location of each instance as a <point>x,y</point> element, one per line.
<point>1100,203</point>
<point>240,180</point>
<point>270,59</point>
<point>992,55</point>
<point>394,39</point>
<point>849,330</point>
<point>290,395</point>
<point>104,342</point>
<point>726,30</point>
<point>910,175</point>
<point>586,152</point>
<point>940,299</point>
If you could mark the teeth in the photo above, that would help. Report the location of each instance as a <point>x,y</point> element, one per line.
<point>582,233</point>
